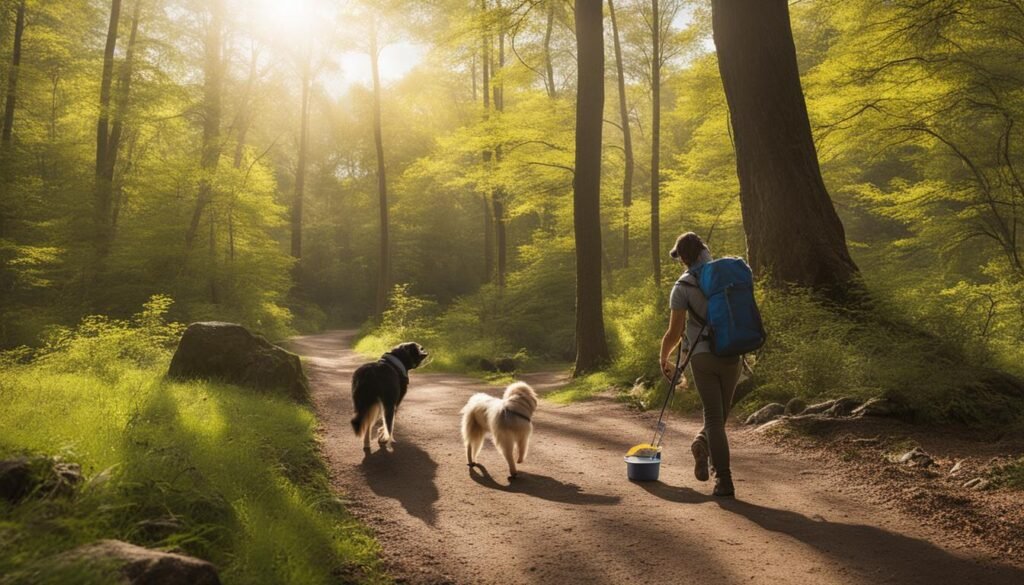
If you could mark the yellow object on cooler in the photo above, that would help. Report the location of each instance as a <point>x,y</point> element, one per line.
<point>643,450</point>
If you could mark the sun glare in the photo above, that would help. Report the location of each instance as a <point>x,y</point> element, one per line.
<point>286,18</point>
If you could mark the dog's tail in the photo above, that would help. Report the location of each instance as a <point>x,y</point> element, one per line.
<point>474,429</point>
<point>365,417</point>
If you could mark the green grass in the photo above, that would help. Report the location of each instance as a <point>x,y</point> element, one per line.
<point>237,474</point>
<point>1010,475</point>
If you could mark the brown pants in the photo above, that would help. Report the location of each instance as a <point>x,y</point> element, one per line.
<point>716,378</point>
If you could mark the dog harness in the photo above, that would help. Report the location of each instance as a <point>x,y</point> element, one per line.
<point>509,411</point>
<point>396,363</point>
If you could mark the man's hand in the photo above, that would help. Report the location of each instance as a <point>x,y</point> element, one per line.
<point>667,369</point>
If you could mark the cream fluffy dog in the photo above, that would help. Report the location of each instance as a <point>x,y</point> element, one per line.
<point>507,419</point>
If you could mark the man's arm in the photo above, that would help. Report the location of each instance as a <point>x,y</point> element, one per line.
<point>676,322</point>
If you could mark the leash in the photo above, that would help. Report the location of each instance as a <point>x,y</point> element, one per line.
<point>659,429</point>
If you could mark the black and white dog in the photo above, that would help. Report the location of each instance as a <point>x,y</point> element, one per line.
<point>379,387</point>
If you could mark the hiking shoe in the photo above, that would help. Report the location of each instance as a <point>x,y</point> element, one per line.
<point>723,486</point>
<point>699,448</point>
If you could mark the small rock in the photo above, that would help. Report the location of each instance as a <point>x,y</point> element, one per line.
<point>506,365</point>
<point>795,406</point>
<point>957,468</point>
<point>882,407</point>
<point>16,479</point>
<point>48,476</point>
<point>842,407</point>
<point>916,457</point>
<point>767,413</point>
<point>141,566</point>
<point>820,407</point>
<point>973,482</point>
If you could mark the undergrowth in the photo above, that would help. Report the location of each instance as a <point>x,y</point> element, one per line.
<point>899,349</point>
<point>213,470</point>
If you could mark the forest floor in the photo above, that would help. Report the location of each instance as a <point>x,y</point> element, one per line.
<point>572,517</point>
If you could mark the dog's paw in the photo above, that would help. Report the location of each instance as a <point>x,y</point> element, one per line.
<point>513,476</point>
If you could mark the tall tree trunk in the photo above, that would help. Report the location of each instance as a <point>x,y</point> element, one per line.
<point>212,87</point>
<point>104,187</point>
<point>591,346</point>
<point>549,68</point>
<point>300,170</point>
<point>485,39</point>
<point>106,80</point>
<point>472,75</point>
<point>627,139</point>
<point>498,196</point>
<point>384,275</point>
<point>107,190</point>
<point>123,93</point>
<point>793,232</point>
<point>12,78</point>
<point>488,238</point>
<point>245,109</point>
<point>656,142</point>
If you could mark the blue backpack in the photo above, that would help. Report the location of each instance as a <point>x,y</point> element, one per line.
<point>733,322</point>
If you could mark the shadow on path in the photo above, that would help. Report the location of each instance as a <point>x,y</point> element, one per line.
<point>678,495</point>
<point>405,474</point>
<point>891,556</point>
<point>543,487</point>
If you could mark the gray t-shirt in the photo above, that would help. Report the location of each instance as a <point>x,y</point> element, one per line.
<point>689,298</point>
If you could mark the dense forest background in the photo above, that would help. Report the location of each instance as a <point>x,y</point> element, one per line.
<point>229,154</point>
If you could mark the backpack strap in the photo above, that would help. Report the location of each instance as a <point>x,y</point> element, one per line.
<point>703,322</point>
<point>683,281</point>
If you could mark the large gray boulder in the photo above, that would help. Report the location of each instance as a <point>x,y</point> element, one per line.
<point>229,352</point>
<point>137,565</point>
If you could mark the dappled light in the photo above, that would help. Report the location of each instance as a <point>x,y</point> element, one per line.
<point>236,233</point>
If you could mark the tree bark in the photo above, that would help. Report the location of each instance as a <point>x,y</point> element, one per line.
<point>498,196</point>
<point>7,132</point>
<point>300,168</point>
<point>384,275</point>
<point>108,193</point>
<point>793,233</point>
<point>591,345</point>
<point>213,80</point>
<point>655,143</point>
<point>627,139</point>
<point>485,40</point>
<point>124,84</point>
<point>488,238</point>
<point>549,68</point>
<point>106,80</point>
<point>245,109</point>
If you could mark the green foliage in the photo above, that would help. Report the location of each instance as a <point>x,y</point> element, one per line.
<point>1010,475</point>
<point>101,346</point>
<point>214,470</point>
<point>815,352</point>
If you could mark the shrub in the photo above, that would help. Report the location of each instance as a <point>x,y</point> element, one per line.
<point>104,347</point>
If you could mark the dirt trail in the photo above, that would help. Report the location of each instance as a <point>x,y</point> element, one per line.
<point>572,517</point>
